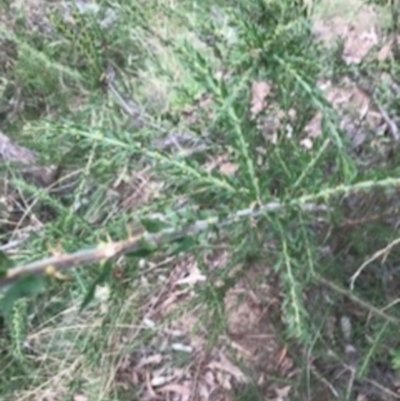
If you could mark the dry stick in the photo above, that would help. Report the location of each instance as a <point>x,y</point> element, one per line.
<point>394,130</point>
<point>52,265</point>
<point>382,252</point>
<point>357,300</point>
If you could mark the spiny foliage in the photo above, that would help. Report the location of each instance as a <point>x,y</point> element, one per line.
<point>230,46</point>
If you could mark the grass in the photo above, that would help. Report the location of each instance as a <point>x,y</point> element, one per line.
<point>146,110</point>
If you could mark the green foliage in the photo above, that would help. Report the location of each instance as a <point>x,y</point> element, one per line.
<point>396,359</point>
<point>108,141</point>
<point>18,327</point>
<point>5,264</point>
<point>26,287</point>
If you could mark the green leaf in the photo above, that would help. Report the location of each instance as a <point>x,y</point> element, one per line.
<point>182,245</point>
<point>26,287</point>
<point>147,248</point>
<point>101,279</point>
<point>396,360</point>
<point>141,253</point>
<point>5,264</point>
<point>154,226</point>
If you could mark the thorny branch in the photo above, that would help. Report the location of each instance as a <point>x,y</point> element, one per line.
<point>112,250</point>
<point>55,264</point>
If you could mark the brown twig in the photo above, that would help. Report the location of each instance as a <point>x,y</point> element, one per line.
<point>372,309</point>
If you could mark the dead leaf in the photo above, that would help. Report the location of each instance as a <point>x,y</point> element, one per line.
<point>135,378</point>
<point>260,91</point>
<point>150,360</point>
<point>225,365</point>
<point>243,352</point>
<point>170,301</point>
<point>149,386</point>
<point>209,379</point>
<point>282,393</point>
<point>175,388</point>
<point>223,380</point>
<point>358,45</point>
<point>160,380</point>
<point>182,348</point>
<point>385,52</point>
<point>306,143</point>
<point>203,391</point>
<point>228,168</point>
<point>193,277</point>
<point>359,34</point>
<point>80,397</point>
<point>313,128</point>
<point>281,356</point>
